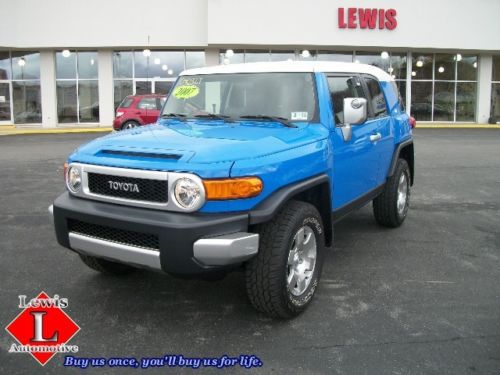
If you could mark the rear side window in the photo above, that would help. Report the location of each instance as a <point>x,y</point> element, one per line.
<point>376,99</point>
<point>398,95</point>
<point>126,103</point>
<point>147,103</point>
<point>342,87</point>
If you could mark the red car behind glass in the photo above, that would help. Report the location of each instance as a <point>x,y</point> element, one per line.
<point>137,110</point>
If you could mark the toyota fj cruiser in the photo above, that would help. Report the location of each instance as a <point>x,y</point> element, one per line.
<point>248,166</point>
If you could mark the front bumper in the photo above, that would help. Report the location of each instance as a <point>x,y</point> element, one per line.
<point>186,243</point>
<point>117,123</point>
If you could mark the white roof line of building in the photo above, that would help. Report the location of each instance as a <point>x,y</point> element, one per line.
<point>291,66</point>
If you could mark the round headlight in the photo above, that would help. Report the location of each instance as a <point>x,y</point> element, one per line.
<point>73,179</point>
<point>188,193</point>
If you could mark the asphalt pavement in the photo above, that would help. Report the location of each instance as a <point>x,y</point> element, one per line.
<point>420,299</point>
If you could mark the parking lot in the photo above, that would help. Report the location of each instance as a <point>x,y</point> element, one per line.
<point>421,299</point>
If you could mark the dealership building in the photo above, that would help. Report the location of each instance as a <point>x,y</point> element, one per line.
<point>70,63</point>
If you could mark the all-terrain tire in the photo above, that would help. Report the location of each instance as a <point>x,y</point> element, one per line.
<point>268,274</point>
<point>391,206</point>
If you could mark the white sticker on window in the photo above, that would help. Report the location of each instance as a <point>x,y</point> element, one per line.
<point>297,116</point>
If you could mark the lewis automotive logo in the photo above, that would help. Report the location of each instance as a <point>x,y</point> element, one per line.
<point>42,328</point>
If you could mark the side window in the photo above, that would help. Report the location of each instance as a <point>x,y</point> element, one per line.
<point>342,87</point>
<point>126,103</point>
<point>377,99</point>
<point>147,103</point>
<point>399,96</point>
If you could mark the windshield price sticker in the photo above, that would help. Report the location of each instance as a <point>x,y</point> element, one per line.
<point>190,81</point>
<point>186,92</point>
<point>297,116</point>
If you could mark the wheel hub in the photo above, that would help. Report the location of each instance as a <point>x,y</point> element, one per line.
<point>402,194</point>
<point>130,126</point>
<point>301,260</point>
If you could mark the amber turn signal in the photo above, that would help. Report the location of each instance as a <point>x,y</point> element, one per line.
<point>232,188</point>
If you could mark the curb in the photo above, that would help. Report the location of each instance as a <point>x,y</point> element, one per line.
<point>12,130</point>
<point>458,126</point>
<point>53,131</point>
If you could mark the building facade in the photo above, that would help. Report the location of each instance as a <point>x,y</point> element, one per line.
<point>71,63</point>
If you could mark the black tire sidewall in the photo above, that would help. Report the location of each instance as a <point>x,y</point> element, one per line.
<point>313,221</point>
<point>403,169</point>
<point>124,126</point>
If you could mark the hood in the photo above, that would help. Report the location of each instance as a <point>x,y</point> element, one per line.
<point>207,141</point>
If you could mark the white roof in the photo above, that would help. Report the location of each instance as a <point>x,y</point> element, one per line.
<point>292,66</point>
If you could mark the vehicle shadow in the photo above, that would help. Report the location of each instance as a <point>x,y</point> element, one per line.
<point>160,295</point>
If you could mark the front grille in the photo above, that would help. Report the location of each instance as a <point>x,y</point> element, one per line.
<point>140,189</point>
<point>125,237</point>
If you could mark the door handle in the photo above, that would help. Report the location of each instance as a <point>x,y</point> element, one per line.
<point>375,137</point>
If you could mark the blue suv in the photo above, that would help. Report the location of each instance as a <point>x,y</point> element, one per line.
<point>248,167</point>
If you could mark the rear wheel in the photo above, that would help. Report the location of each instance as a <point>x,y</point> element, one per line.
<point>130,125</point>
<point>391,206</point>
<point>282,279</point>
<point>106,266</point>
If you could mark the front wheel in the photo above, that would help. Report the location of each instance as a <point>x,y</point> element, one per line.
<point>391,206</point>
<point>282,279</point>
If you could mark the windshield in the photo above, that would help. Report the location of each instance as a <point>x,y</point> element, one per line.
<point>286,95</point>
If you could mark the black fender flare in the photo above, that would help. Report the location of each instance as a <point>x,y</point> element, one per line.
<point>270,206</point>
<point>395,157</point>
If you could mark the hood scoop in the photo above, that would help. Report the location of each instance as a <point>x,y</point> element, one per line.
<point>140,154</point>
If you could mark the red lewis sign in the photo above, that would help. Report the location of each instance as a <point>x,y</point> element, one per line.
<point>367,18</point>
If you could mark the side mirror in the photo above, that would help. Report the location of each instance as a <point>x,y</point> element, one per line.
<point>355,113</point>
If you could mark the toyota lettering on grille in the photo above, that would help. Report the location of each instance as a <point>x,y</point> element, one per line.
<point>123,186</point>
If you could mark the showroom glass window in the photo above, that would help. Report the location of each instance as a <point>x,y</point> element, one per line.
<point>239,56</point>
<point>77,87</point>
<point>392,63</point>
<point>5,75</point>
<point>307,55</point>
<point>236,56</point>
<point>257,56</point>
<point>397,70</point>
<point>495,88</point>
<point>443,87</point>
<point>123,75</point>
<point>379,59</point>
<point>278,55</point>
<point>335,56</point>
<point>422,73</point>
<point>150,71</point>
<point>20,75</point>
<point>247,56</point>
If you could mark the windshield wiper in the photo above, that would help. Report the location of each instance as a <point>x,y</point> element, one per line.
<point>281,120</point>
<point>215,117</point>
<point>177,116</point>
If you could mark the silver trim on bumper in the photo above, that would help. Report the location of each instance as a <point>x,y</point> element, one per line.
<point>226,249</point>
<point>115,251</point>
<point>170,177</point>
